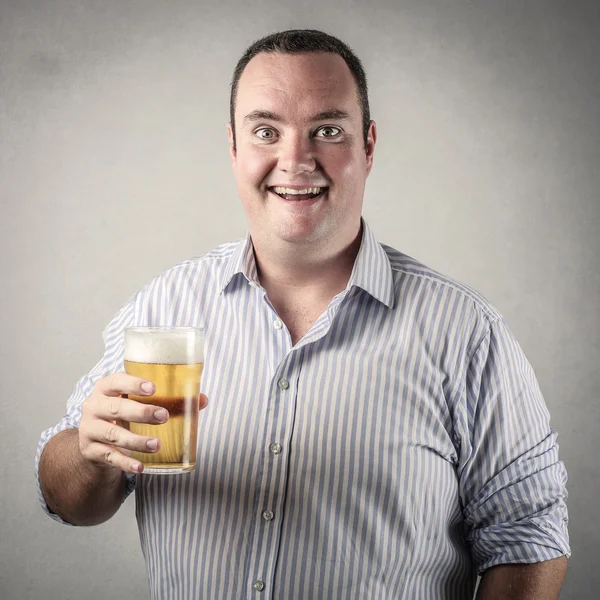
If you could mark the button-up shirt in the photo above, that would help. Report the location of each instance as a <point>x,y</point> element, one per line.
<point>400,447</point>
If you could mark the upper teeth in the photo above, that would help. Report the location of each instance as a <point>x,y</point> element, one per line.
<point>284,190</point>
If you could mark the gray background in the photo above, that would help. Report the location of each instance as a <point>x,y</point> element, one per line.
<point>114,166</point>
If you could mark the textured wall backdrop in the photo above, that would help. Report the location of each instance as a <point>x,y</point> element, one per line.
<point>114,166</point>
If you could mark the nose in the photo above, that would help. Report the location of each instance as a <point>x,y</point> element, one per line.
<point>296,155</point>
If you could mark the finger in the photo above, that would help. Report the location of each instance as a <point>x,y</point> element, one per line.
<point>110,433</point>
<point>124,425</point>
<point>203,401</point>
<point>115,408</point>
<point>122,383</point>
<point>109,456</point>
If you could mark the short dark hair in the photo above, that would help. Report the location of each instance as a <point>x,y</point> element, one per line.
<point>299,41</point>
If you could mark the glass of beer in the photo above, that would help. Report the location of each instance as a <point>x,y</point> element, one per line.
<point>173,359</point>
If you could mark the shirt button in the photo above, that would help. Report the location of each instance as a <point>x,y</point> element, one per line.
<point>268,515</point>
<point>275,448</point>
<point>259,585</point>
<point>283,384</point>
<point>277,323</point>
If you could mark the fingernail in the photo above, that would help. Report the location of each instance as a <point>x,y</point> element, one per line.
<point>137,467</point>
<point>152,444</point>
<point>160,414</point>
<point>147,387</point>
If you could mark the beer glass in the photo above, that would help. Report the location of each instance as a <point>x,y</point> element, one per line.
<point>173,359</point>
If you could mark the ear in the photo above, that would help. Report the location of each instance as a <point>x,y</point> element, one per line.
<point>232,150</point>
<point>370,145</point>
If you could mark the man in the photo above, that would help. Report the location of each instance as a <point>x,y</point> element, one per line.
<point>374,430</point>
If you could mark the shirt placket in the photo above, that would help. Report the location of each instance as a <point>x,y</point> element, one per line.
<point>279,423</point>
<point>270,496</point>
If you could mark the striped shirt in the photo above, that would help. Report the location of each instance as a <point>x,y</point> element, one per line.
<point>398,449</point>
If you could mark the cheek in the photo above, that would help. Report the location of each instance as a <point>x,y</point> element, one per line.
<point>253,165</point>
<point>343,163</point>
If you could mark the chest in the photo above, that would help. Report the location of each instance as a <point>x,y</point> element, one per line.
<point>299,319</point>
<point>345,380</point>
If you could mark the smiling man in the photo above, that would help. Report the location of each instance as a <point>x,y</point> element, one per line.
<point>301,156</point>
<point>374,429</point>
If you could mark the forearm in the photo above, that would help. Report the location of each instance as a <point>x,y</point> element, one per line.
<point>536,581</point>
<point>78,491</point>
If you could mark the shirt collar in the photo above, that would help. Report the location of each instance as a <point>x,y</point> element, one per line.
<point>241,261</point>
<point>372,271</point>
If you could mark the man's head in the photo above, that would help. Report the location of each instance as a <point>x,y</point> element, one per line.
<point>300,153</point>
<point>297,41</point>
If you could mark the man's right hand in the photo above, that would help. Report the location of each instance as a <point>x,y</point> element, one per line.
<point>103,439</point>
<point>82,470</point>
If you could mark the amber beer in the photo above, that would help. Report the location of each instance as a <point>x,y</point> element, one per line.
<point>173,359</point>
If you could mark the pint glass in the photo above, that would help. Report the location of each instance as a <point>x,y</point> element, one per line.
<point>173,359</point>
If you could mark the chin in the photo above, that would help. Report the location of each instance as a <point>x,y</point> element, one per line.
<point>299,234</point>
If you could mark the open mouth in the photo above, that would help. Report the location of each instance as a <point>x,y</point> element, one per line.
<point>296,195</point>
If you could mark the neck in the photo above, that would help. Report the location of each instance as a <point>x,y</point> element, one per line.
<point>286,268</point>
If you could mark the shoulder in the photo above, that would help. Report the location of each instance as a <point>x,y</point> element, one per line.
<point>212,260</point>
<point>195,269</point>
<point>411,274</point>
<point>174,291</point>
<point>189,282</point>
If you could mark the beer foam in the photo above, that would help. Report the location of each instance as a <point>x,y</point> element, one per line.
<point>164,346</point>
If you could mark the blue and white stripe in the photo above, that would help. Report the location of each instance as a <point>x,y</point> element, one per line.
<point>414,443</point>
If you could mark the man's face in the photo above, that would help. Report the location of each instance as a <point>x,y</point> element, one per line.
<point>298,128</point>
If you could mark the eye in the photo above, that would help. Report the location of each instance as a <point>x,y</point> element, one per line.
<point>328,131</point>
<point>265,133</point>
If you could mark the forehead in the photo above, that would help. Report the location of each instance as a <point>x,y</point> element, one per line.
<point>296,82</point>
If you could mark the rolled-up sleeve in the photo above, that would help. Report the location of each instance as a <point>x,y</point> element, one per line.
<point>111,362</point>
<point>512,482</point>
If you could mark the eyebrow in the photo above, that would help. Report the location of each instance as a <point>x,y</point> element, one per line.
<point>326,115</point>
<point>260,115</point>
<point>334,113</point>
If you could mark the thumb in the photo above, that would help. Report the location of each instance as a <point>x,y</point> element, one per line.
<point>203,401</point>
